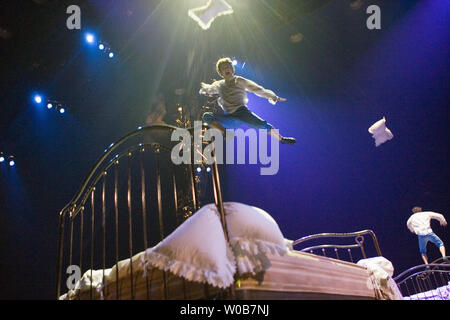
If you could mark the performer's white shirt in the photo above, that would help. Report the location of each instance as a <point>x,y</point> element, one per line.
<point>232,94</point>
<point>419,223</point>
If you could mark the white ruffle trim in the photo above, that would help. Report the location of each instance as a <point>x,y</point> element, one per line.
<point>189,271</point>
<point>250,254</point>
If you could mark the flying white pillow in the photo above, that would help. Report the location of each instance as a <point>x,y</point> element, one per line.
<point>380,133</point>
<point>205,15</point>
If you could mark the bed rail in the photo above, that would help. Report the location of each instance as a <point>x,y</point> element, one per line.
<point>341,251</point>
<point>426,281</point>
<point>132,198</point>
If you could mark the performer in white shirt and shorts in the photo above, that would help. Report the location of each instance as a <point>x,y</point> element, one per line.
<point>419,223</point>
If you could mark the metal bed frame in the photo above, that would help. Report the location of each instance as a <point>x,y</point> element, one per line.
<point>424,279</point>
<point>358,243</point>
<point>109,207</point>
<point>132,198</point>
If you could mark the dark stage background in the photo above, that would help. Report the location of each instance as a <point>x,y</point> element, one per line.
<point>338,80</point>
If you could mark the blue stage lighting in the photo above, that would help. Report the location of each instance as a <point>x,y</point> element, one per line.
<point>235,62</point>
<point>62,110</point>
<point>11,161</point>
<point>49,105</point>
<point>38,98</point>
<point>101,46</point>
<point>208,169</point>
<point>2,158</point>
<point>111,55</point>
<point>90,38</point>
<point>199,169</point>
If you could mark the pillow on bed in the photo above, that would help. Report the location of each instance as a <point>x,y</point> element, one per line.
<point>196,250</point>
<point>253,233</point>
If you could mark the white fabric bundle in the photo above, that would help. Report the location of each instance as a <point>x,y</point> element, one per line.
<point>86,282</point>
<point>380,266</point>
<point>380,132</point>
<point>381,271</point>
<point>205,15</point>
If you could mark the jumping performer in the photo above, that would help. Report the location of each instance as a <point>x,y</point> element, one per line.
<point>233,99</point>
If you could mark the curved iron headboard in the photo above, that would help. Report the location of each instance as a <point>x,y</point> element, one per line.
<point>105,155</point>
<point>358,238</point>
<point>99,171</point>
<point>423,278</point>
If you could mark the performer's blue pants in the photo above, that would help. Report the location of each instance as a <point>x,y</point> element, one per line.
<point>242,116</point>
<point>432,237</point>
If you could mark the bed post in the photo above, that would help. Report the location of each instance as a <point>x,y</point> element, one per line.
<point>219,204</point>
<point>60,254</point>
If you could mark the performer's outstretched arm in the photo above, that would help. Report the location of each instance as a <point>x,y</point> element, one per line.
<point>439,217</point>
<point>259,90</point>
<point>208,89</point>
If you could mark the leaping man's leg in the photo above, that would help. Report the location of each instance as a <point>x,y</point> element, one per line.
<point>284,140</point>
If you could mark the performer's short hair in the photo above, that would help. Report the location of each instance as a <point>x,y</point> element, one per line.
<point>222,61</point>
<point>416,209</point>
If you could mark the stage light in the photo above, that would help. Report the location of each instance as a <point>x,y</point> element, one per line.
<point>90,38</point>
<point>101,46</point>
<point>111,55</point>
<point>37,98</point>
<point>11,161</point>
<point>208,169</point>
<point>234,62</point>
<point>2,157</point>
<point>49,105</point>
<point>62,110</point>
<point>199,169</point>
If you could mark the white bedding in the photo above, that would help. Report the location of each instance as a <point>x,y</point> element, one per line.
<point>441,293</point>
<point>197,249</point>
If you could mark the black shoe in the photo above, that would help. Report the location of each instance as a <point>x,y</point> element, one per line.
<point>445,259</point>
<point>285,140</point>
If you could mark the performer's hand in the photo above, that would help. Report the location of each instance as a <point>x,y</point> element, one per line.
<point>444,224</point>
<point>276,99</point>
<point>203,88</point>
